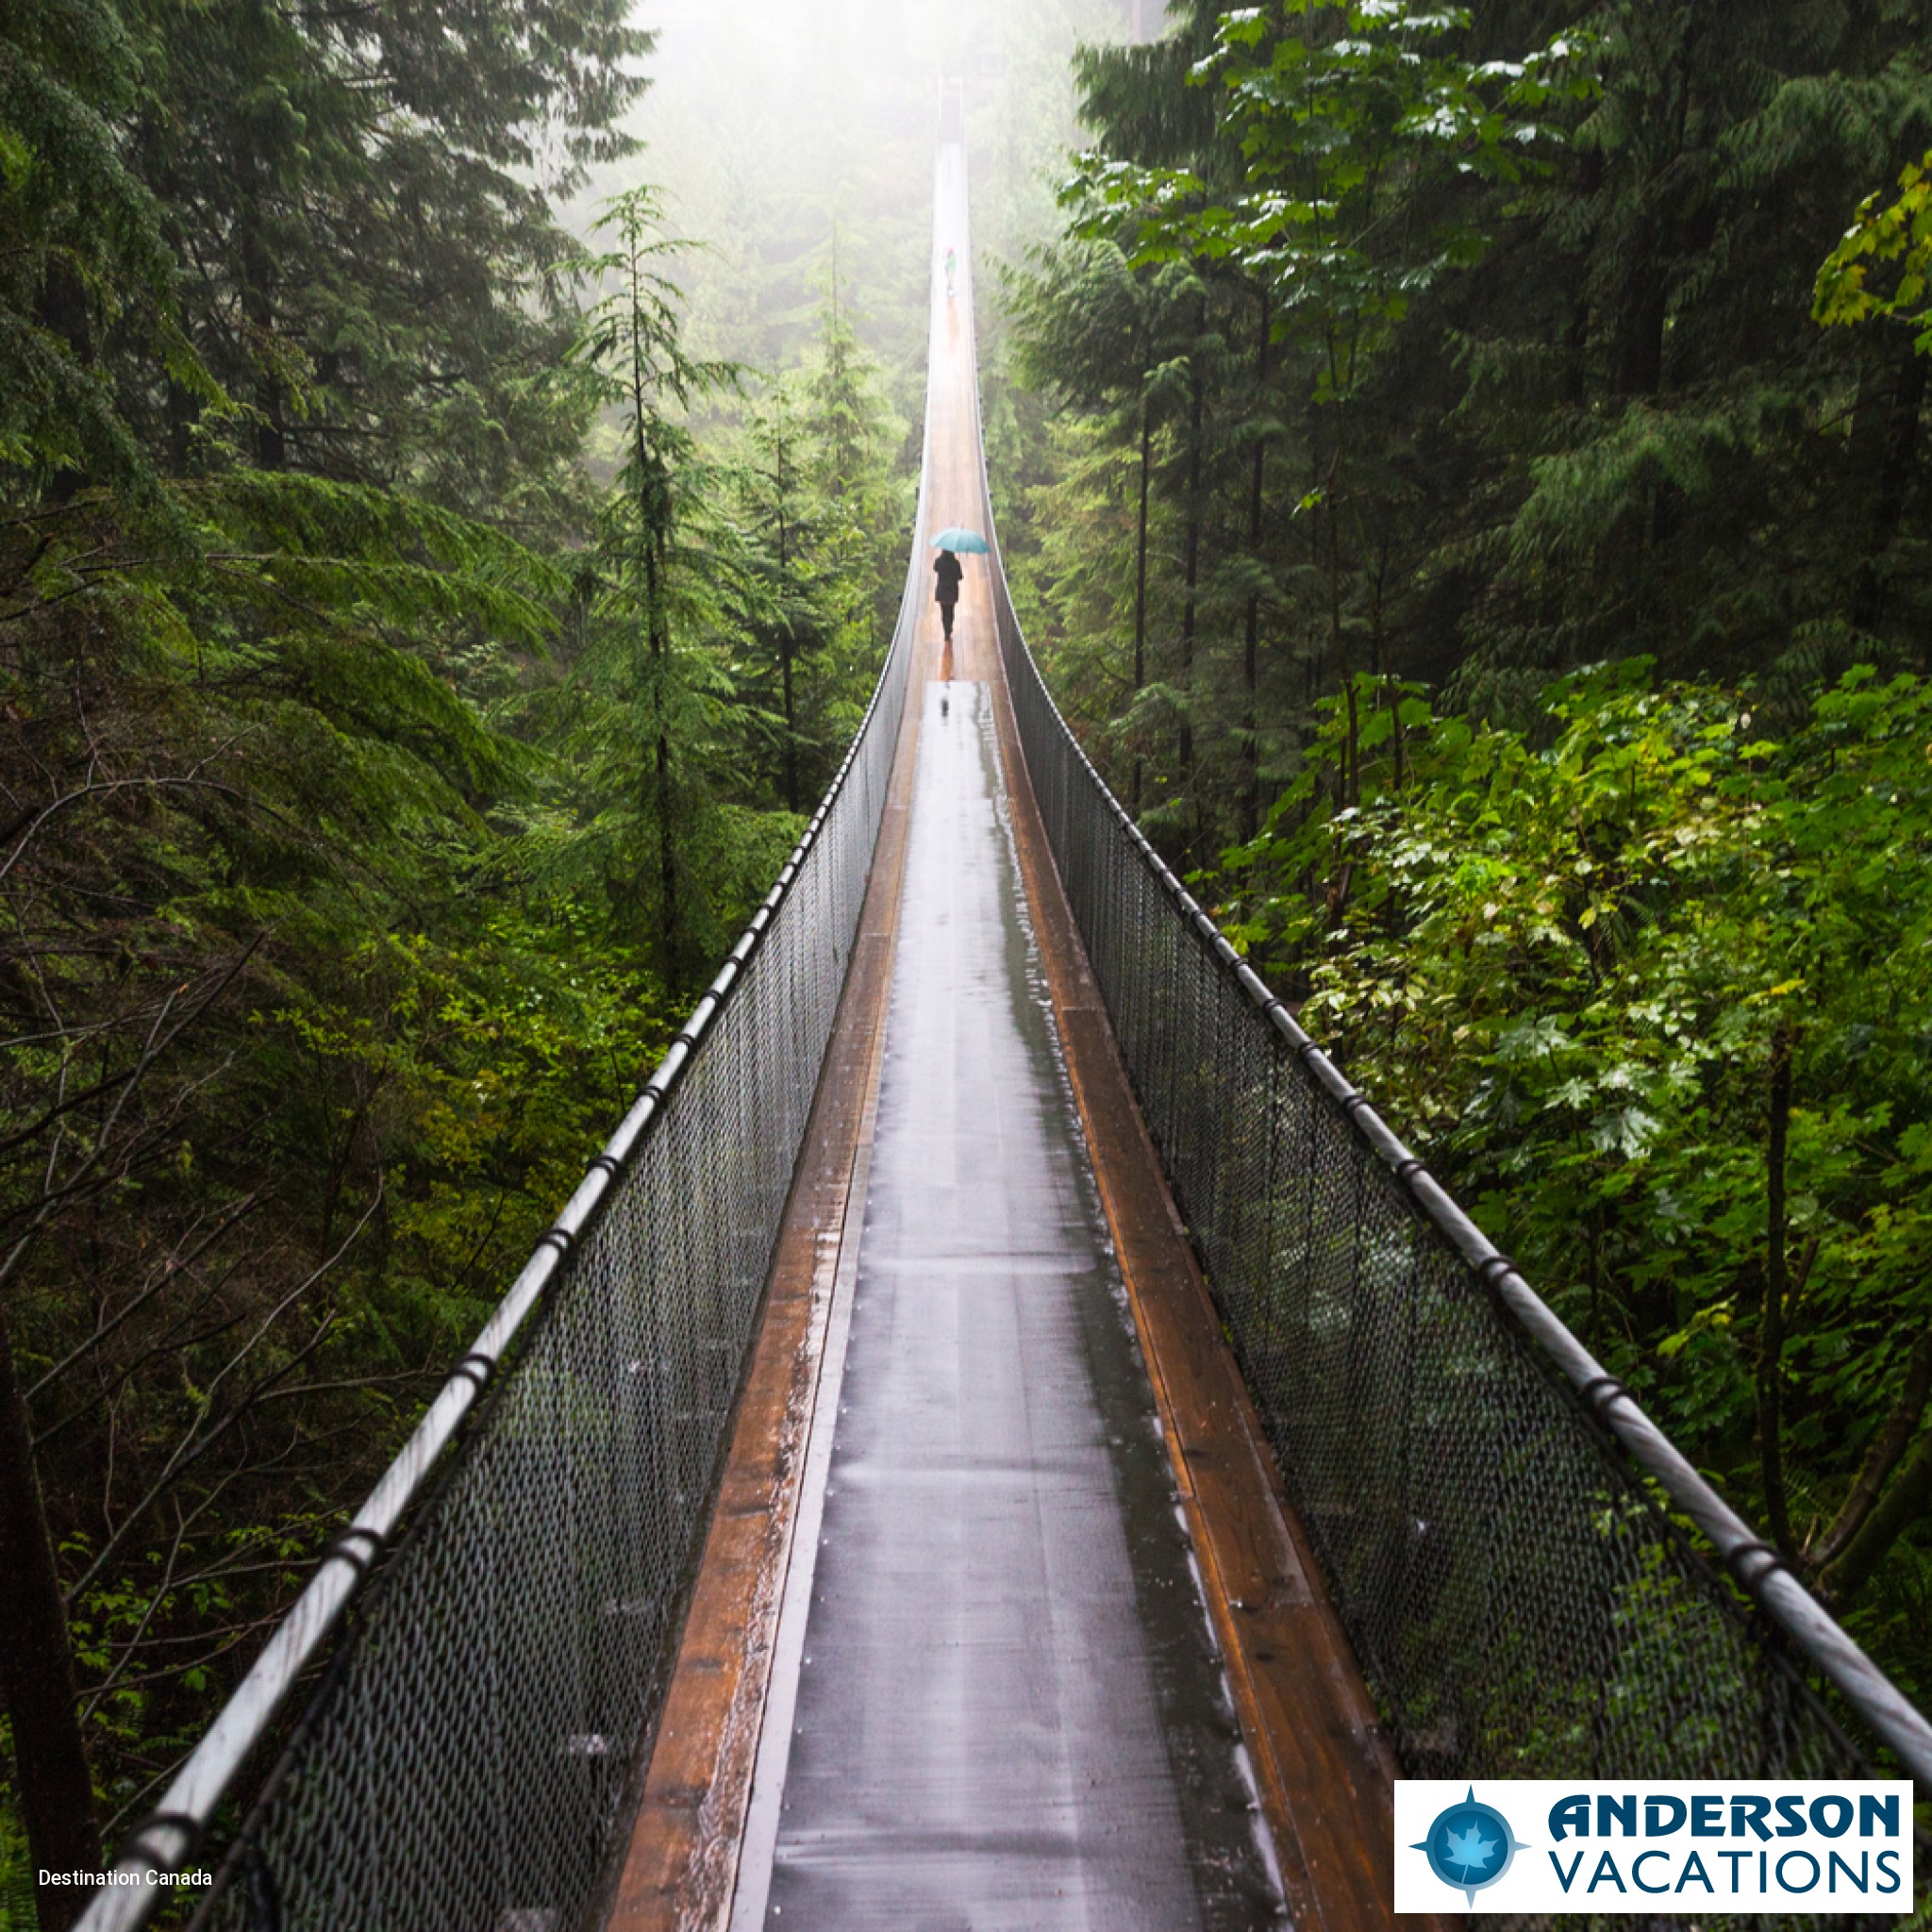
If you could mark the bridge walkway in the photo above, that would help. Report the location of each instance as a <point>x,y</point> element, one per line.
<point>997,1616</point>
<point>1002,1622</point>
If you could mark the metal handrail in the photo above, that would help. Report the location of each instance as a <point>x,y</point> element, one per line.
<point>168,1836</point>
<point>1759,1570</point>
<point>168,1839</point>
<point>1762,1572</point>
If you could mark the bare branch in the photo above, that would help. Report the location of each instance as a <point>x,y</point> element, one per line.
<point>1886,1451</point>
<point>176,1265</point>
<point>192,1446</point>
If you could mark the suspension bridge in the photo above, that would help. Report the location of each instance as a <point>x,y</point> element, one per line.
<point>1003,1436</point>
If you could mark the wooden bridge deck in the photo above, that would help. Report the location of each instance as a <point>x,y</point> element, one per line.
<point>974,1641</point>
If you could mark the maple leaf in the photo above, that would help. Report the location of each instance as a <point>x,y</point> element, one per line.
<point>1471,1849</point>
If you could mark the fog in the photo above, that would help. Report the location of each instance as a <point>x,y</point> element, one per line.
<point>770,126</point>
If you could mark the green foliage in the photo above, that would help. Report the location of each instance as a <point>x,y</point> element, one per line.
<point>1119,351</point>
<point>812,499</point>
<point>376,785</point>
<point>1338,121</point>
<point>17,1913</point>
<point>365,199</point>
<point>85,245</point>
<point>1491,355</point>
<point>1899,232</point>
<point>796,144</point>
<point>1501,360</point>
<point>1565,960</point>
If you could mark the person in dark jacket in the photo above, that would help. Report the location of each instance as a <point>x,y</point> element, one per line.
<point>946,590</point>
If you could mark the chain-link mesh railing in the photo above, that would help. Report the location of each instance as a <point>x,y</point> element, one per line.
<point>1528,1571</point>
<point>516,1583</point>
<point>1504,1532</point>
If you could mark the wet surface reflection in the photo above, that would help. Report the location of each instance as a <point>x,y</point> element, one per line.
<point>1009,1710</point>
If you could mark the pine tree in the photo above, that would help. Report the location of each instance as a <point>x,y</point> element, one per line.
<point>241,773</point>
<point>1517,372</point>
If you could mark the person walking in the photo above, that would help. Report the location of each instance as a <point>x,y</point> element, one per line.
<point>952,263</point>
<point>947,570</point>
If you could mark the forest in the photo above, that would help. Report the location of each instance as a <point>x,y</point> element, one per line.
<point>455,471</point>
<point>1463,468</point>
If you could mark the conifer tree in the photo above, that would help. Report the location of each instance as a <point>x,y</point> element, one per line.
<point>244,788</point>
<point>1521,374</point>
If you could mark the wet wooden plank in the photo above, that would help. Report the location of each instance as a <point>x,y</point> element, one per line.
<point>681,1864</point>
<point>1321,1759</point>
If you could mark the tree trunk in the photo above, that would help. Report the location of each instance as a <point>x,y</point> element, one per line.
<point>1337,636</point>
<point>253,156</point>
<point>660,667</point>
<point>1192,565</point>
<point>1889,1449</point>
<point>785,654</point>
<point>786,644</point>
<point>1576,341</point>
<point>667,868</point>
<point>258,310</point>
<point>1140,577</point>
<point>1770,1328</point>
<point>60,309</point>
<point>51,1776</point>
<point>1251,750</point>
<point>1316,506</point>
<point>1894,474</point>
<point>1907,1500</point>
<point>1640,325</point>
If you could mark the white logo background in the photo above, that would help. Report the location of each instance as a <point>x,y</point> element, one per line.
<point>1698,1846</point>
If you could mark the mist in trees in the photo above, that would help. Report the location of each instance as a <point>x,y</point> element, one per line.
<point>439,574</point>
<point>1470,487</point>
<point>783,135</point>
<point>1466,473</point>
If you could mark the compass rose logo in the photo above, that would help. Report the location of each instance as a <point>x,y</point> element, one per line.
<point>1470,1845</point>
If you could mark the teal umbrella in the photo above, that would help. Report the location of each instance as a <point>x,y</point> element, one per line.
<point>956,538</point>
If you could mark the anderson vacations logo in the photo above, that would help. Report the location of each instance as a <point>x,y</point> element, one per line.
<point>1528,1845</point>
